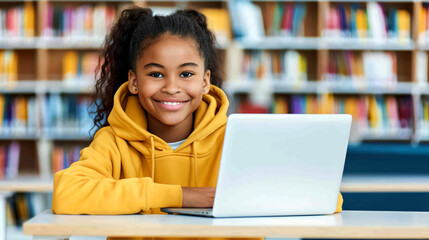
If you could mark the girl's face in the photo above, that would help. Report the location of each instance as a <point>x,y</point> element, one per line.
<point>170,81</point>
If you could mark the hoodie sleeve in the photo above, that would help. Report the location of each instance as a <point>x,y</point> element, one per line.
<point>339,204</point>
<point>88,186</point>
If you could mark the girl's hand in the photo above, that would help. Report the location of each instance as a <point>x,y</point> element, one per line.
<point>198,196</point>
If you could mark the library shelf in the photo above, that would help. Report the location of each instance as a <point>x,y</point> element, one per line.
<point>27,184</point>
<point>77,86</point>
<point>59,136</point>
<point>18,136</point>
<point>335,87</point>
<point>68,137</point>
<point>70,42</point>
<point>18,43</point>
<point>366,44</point>
<point>280,42</point>
<point>385,183</point>
<point>315,43</point>
<point>424,89</point>
<point>51,42</point>
<point>397,88</point>
<point>405,134</point>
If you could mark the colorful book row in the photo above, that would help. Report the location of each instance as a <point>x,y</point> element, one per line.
<point>373,20</point>
<point>78,21</point>
<point>17,115</point>
<point>67,115</point>
<point>9,160</point>
<point>377,68</point>
<point>384,113</point>
<point>17,21</point>
<point>64,156</point>
<point>289,66</point>
<point>22,206</point>
<point>246,19</point>
<point>288,20</point>
<point>79,66</point>
<point>424,23</point>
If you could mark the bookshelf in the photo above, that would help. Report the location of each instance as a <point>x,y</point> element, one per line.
<point>346,58</point>
<point>284,63</point>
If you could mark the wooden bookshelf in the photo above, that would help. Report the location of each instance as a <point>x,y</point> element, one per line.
<point>314,38</point>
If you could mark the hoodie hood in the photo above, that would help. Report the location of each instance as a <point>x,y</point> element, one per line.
<point>128,118</point>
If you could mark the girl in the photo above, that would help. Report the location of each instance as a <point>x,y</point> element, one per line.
<point>166,115</point>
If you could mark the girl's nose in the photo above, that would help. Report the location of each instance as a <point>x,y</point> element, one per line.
<point>171,86</point>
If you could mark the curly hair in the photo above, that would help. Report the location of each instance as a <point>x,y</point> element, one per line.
<point>135,30</point>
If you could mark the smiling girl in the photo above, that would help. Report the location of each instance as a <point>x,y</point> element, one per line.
<point>166,117</point>
<point>161,143</point>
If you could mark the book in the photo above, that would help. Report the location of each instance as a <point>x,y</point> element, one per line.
<point>29,19</point>
<point>278,19</point>
<point>78,20</point>
<point>246,20</point>
<point>13,160</point>
<point>10,66</point>
<point>403,25</point>
<point>392,110</point>
<point>3,161</point>
<point>247,106</point>
<point>421,68</point>
<point>2,109</point>
<point>405,110</point>
<point>70,66</point>
<point>67,115</point>
<point>281,105</point>
<point>361,23</point>
<point>422,24</point>
<point>377,23</point>
<point>374,113</point>
<point>299,19</point>
<point>218,22</point>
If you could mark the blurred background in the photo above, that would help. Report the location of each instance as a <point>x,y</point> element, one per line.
<point>365,58</point>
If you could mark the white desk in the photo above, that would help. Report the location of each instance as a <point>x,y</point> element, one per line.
<point>348,224</point>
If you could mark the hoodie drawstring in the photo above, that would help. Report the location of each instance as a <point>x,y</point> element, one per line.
<point>152,144</point>
<point>195,162</point>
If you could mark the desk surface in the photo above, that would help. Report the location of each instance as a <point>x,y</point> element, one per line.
<point>348,224</point>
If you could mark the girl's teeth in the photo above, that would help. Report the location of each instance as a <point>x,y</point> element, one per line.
<point>171,103</point>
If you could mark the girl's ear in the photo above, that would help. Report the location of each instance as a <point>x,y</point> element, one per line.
<point>206,86</point>
<point>132,82</point>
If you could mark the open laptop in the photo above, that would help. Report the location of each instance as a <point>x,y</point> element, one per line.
<point>279,164</point>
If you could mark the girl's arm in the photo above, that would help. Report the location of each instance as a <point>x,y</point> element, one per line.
<point>339,204</point>
<point>88,186</point>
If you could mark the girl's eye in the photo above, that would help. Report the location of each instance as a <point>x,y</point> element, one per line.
<point>156,75</point>
<point>186,74</point>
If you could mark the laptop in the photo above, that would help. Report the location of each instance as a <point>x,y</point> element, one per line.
<point>278,165</point>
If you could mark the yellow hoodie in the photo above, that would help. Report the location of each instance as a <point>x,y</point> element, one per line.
<point>127,170</point>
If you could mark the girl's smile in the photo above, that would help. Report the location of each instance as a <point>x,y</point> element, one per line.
<point>171,105</point>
